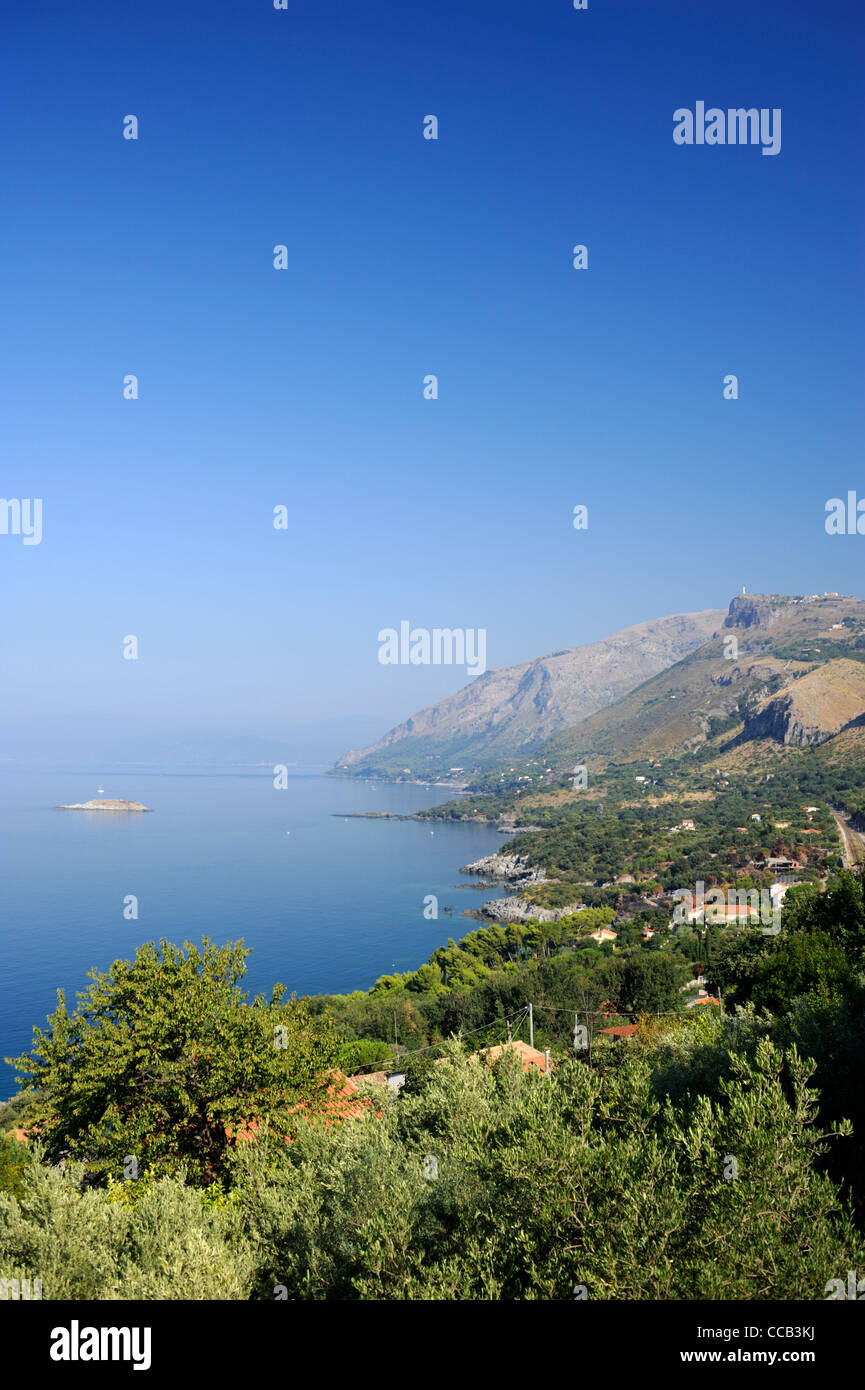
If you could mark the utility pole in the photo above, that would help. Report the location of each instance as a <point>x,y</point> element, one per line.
<point>547,1065</point>
<point>531,1026</point>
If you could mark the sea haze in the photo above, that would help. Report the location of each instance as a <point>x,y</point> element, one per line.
<point>327,908</point>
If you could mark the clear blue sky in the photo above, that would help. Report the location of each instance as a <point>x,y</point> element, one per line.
<point>409,257</point>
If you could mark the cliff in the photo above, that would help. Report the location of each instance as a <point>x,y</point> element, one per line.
<point>813,708</point>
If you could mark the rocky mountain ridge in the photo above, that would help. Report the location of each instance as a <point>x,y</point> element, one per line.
<point>767,644</point>
<point>511,711</point>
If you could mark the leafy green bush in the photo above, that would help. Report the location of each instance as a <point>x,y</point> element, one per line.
<point>486,1183</point>
<point>83,1244</point>
<point>13,1161</point>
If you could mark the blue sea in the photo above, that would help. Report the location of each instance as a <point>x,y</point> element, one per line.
<point>327,903</point>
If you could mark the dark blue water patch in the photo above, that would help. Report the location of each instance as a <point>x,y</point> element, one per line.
<point>328,903</point>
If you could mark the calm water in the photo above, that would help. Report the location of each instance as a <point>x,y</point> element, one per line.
<point>327,908</point>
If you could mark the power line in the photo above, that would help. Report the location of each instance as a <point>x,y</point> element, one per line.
<point>432,1047</point>
<point>521,1015</point>
<point>619,1013</point>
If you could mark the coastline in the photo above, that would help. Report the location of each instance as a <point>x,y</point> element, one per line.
<point>338,942</point>
<point>395,781</point>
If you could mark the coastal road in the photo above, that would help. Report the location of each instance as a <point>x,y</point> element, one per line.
<point>853,841</point>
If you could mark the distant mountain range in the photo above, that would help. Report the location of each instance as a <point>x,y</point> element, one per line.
<point>790,668</point>
<point>513,711</point>
<point>114,743</point>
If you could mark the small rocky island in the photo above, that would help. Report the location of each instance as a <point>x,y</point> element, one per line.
<point>107,805</point>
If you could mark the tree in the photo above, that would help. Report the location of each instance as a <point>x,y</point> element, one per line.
<point>800,964</point>
<point>732,958</point>
<point>427,979</point>
<point>650,983</point>
<point>840,912</point>
<point>164,1060</point>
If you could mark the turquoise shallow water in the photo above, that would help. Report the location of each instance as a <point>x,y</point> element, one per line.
<point>327,908</point>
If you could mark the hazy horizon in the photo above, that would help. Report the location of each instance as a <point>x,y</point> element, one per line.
<point>87,740</point>
<point>260,388</point>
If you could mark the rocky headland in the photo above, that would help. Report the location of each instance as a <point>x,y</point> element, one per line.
<point>518,874</point>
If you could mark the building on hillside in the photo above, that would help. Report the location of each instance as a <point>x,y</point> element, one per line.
<point>393,1081</point>
<point>528,1056</point>
<point>701,998</point>
<point>722,914</point>
<point>603,934</point>
<point>622,1032</point>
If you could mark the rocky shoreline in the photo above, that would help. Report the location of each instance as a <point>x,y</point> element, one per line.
<point>396,781</point>
<point>519,874</point>
<point>512,869</point>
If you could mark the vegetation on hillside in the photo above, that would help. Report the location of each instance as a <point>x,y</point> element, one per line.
<point>484,1183</point>
<point>710,1157</point>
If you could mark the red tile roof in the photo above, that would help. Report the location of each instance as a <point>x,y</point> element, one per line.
<point>340,1105</point>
